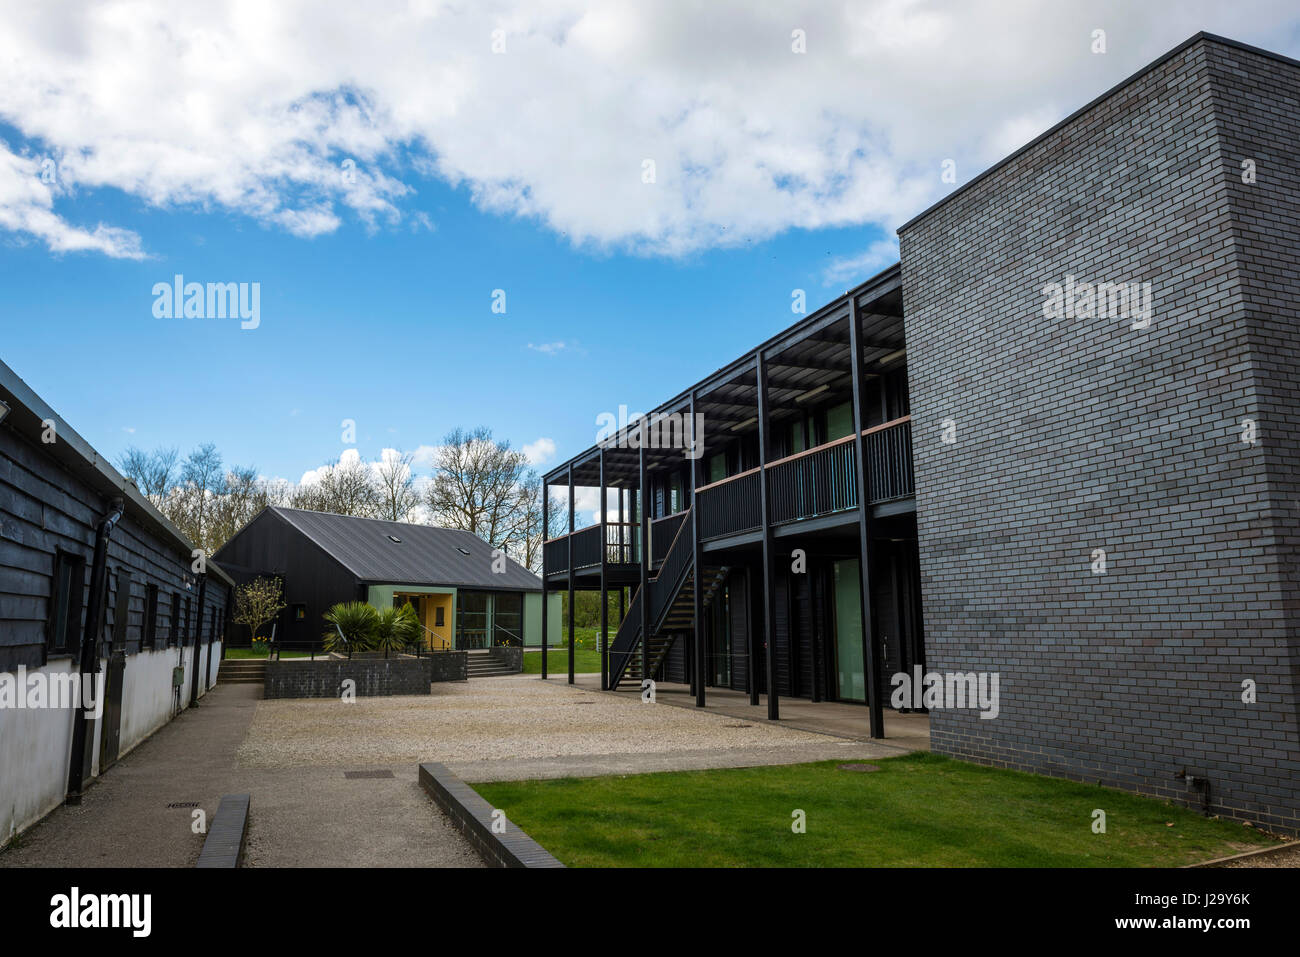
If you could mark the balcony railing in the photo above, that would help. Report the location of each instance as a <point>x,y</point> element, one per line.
<point>662,532</point>
<point>586,547</point>
<point>820,481</point>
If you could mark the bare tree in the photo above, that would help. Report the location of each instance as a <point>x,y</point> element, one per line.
<point>479,485</point>
<point>154,473</point>
<point>395,486</point>
<point>191,502</point>
<point>347,488</point>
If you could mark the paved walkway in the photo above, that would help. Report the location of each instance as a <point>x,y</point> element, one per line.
<point>509,728</point>
<point>909,732</point>
<point>300,816</point>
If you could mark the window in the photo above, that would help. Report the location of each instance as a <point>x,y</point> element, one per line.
<point>839,421</point>
<point>472,620</point>
<point>674,494</point>
<point>717,467</point>
<point>150,631</point>
<point>184,633</point>
<point>440,616</point>
<point>122,609</point>
<point>174,635</point>
<point>66,597</point>
<point>507,619</point>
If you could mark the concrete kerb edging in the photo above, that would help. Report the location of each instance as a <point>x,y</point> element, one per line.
<point>224,845</point>
<point>1262,852</point>
<point>472,815</point>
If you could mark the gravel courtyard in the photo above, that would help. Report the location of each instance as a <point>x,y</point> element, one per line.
<point>520,726</point>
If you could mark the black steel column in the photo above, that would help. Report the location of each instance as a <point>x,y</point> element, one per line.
<point>753,632</point>
<point>604,595</point>
<point>571,609</point>
<point>769,548</point>
<point>622,557</point>
<point>697,559</point>
<point>643,515</point>
<point>546,530</point>
<point>871,660</point>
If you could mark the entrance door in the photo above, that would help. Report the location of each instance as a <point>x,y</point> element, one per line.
<point>438,621</point>
<point>851,682</point>
<point>110,722</point>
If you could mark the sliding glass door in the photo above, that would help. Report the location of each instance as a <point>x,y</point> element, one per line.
<point>851,683</point>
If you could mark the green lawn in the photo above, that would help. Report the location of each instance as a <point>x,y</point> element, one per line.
<point>557,662</point>
<point>920,810</point>
<point>586,658</point>
<point>240,654</point>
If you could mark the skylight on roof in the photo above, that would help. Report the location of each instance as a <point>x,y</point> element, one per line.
<point>394,538</point>
<point>462,549</point>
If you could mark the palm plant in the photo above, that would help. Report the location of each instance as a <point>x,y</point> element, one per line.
<point>396,628</point>
<point>355,624</point>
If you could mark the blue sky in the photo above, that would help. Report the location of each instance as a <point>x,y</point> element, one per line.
<point>497,146</point>
<point>390,327</point>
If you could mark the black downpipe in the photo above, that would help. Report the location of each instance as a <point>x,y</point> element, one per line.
<point>198,644</point>
<point>82,742</point>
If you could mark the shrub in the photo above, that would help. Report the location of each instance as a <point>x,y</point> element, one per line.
<point>396,628</point>
<point>357,621</point>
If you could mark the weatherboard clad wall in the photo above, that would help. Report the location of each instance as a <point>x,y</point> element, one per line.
<point>270,546</point>
<point>1077,434</point>
<point>43,507</point>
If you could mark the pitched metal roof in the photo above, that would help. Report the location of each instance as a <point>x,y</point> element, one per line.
<point>423,554</point>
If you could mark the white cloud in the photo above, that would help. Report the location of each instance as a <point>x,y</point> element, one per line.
<point>548,348</point>
<point>854,269</point>
<point>540,452</point>
<point>256,108</point>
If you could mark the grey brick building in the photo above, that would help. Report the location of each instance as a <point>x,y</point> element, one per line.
<point>1058,442</point>
<point>1082,433</point>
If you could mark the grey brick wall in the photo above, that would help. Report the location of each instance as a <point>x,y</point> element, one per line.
<point>374,677</point>
<point>1081,433</point>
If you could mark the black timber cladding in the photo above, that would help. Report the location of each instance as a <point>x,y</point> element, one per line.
<point>52,494</point>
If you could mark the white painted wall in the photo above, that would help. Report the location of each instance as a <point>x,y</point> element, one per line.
<point>36,744</point>
<point>214,665</point>
<point>34,748</point>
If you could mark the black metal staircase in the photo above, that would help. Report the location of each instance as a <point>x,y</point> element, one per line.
<point>672,611</point>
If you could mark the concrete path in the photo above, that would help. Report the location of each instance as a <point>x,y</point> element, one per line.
<point>908,732</point>
<point>301,816</point>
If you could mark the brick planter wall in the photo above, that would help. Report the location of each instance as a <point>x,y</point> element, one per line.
<point>374,677</point>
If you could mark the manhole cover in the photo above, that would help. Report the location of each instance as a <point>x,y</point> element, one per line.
<point>184,804</point>
<point>737,725</point>
<point>367,774</point>
<point>859,767</point>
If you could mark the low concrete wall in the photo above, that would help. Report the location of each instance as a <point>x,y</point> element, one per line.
<point>499,842</point>
<point>372,677</point>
